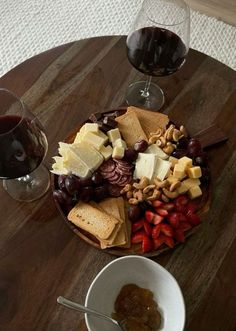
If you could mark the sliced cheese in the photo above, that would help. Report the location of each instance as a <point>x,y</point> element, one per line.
<point>162,168</point>
<point>145,166</point>
<point>154,149</point>
<point>93,139</point>
<point>120,143</point>
<point>58,166</point>
<point>90,156</point>
<point>101,134</point>
<point>75,165</point>
<point>63,149</point>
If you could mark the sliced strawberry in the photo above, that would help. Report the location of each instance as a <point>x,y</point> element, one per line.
<point>169,241</point>
<point>137,226</point>
<point>180,208</point>
<point>168,206</point>
<point>156,231</point>
<point>179,236</point>
<point>173,219</point>
<point>157,219</point>
<point>167,230</point>
<point>149,215</point>
<point>193,219</point>
<point>137,237</point>
<point>161,212</point>
<point>157,242</point>
<point>146,244</point>
<point>181,200</point>
<point>191,208</point>
<point>147,228</point>
<point>184,226</point>
<point>157,203</point>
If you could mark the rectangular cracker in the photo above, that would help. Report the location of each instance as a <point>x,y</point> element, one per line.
<point>149,120</point>
<point>130,128</point>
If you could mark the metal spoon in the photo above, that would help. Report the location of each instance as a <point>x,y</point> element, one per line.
<point>76,306</point>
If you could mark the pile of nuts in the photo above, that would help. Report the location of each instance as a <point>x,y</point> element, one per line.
<point>143,190</point>
<point>165,139</point>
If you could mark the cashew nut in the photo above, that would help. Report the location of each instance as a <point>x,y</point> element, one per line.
<point>138,195</point>
<point>144,181</point>
<point>169,132</point>
<point>159,132</point>
<point>153,139</point>
<point>183,131</point>
<point>159,183</point>
<point>176,134</point>
<point>169,194</point>
<point>133,201</point>
<point>129,194</point>
<point>156,195</point>
<point>126,188</point>
<point>168,149</point>
<point>174,185</point>
<point>149,188</point>
<point>164,198</point>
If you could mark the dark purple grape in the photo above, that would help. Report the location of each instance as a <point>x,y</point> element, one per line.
<point>134,212</point>
<point>130,155</point>
<point>61,182</point>
<point>141,146</point>
<point>62,197</point>
<point>85,182</point>
<point>71,184</point>
<point>178,153</point>
<point>194,151</point>
<point>194,142</point>
<point>182,143</point>
<point>97,178</point>
<point>100,193</point>
<point>86,194</point>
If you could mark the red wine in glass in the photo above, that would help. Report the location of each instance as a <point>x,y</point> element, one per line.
<point>23,146</point>
<point>156,51</point>
<point>157,45</point>
<point>22,149</point>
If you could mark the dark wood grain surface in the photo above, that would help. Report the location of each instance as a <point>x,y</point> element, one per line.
<point>40,258</point>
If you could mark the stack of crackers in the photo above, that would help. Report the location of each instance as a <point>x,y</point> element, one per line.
<point>105,220</point>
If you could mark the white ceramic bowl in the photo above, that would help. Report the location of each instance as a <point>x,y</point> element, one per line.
<point>145,273</point>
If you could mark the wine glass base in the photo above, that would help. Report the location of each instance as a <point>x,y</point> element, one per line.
<point>29,187</point>
<point>153,101</point>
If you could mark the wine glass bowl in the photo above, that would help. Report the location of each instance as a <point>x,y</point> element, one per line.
<point>157,45</point>
<point>23,146</point>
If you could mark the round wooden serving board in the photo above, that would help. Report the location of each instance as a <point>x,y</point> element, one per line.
<point>202,202</point>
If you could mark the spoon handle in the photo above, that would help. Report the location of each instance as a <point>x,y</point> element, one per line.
<point>76,306</point>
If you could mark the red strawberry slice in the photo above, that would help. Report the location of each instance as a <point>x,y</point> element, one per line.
<point>184,226</point>
<point>161,212</point>
<point>149,216</point>
<point>167,230</point>
<point>157,203</point>
<point>157,242</point>
<point>181,200</point>
<point>173,219</point>
<point>156,231</point>
<point>179,236</point>
<point>193,219</point>
<point>191,208</point>
<point>147,228</point>
<point>146,244</point>
<point>137,237</point>
<point>157,219</point>
<point>169,241</point>
<point>168,206</point>
<point>137,226</point>
<point>182,217</point>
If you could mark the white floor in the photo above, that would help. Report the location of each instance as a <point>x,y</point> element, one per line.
<point>28,27</point>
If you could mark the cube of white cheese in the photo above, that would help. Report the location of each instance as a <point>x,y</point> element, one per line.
<point>179,171</point>
<point>102,135</point>
<point>154,149</point>
<point>182,188</point>
<point>93,139</point>
<point>88,154</point>
<point>189,182</point>
<point>145,166</point>
<point>106,151</point>
<point>173,161</point>
<point>162,168</point>
<point>118,152</point>
<point>113,135</point>
<point>119,142</point>
<point>194,192</point>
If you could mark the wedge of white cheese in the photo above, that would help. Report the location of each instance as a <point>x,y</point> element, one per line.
<point>154,149</point>
<point>145,166</point>
<point>162,168</point>
<point>76,165</point>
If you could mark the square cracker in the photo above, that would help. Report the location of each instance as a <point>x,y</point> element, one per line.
<point>130,128</point>
<point>149,120</point>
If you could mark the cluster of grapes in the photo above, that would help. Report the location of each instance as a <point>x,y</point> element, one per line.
<point>192,148</point>
<point>72,188</point>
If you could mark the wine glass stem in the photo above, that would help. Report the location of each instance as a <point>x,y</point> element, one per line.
<point>145,92</point>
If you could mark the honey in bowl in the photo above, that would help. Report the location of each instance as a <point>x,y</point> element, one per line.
<point>137,306</point>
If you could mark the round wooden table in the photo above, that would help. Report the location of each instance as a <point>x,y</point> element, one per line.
<point>40,258</point>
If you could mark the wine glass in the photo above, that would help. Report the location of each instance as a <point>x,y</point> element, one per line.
<point>23,146</point>
<point>157,45</point>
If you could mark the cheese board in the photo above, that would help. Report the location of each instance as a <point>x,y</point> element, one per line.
<point>162,212</point>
